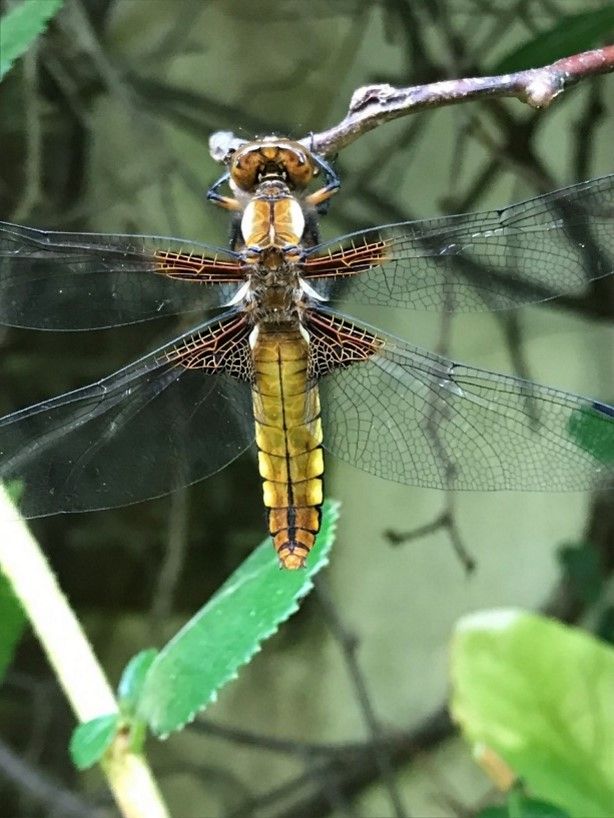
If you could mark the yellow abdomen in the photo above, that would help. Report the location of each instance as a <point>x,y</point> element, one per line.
<point>289,438</point>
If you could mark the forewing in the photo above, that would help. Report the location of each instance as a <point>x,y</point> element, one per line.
<point>71,281</point>
<point>548,246</point>
<point>417,418</point>
<point>167,420</point>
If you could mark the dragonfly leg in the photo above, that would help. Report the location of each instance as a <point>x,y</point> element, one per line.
<point>227,202</point>
<point>320,198</point>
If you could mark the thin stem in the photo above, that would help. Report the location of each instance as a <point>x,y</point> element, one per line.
<point>349,644</point>
<point>73,660</point>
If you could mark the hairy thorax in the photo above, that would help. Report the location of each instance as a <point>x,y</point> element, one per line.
<point>272,227</point>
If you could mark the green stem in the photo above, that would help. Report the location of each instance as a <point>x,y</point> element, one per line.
<point>73,660</point>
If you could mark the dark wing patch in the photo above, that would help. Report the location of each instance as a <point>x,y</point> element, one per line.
<point>336,342</point>
<point>223,346</point>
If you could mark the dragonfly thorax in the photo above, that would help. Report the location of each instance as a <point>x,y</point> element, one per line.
<point>272,218</point>
<point>272,227</point>
<point>274,287</point>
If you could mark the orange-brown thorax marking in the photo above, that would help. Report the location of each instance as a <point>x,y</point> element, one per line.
<point>289,439</point>
<point>273,218</point>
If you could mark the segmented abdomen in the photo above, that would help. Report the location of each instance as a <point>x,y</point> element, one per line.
<point>289,438</point>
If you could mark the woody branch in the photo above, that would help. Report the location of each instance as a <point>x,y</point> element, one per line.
<point>373,105</point>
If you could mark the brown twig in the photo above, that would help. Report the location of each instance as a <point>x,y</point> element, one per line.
<point>446,521</point>
<point>373,105</point>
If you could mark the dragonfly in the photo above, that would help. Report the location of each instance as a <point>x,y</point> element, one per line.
<point>277,363</point>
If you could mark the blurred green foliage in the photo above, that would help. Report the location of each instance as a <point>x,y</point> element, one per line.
<point>540,695</point>
<point>571,34</point>
<point>20,27</point>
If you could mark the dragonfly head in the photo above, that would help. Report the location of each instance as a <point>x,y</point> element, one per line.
<point>272,159</point>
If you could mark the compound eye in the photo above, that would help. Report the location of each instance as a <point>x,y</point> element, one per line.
<point>244,171</point>
<point>300,170</point>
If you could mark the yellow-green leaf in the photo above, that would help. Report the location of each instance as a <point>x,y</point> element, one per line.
<point>541,695</point>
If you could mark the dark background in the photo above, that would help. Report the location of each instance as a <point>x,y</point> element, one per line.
<point>104,126</point>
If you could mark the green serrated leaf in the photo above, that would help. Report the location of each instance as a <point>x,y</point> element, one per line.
<point>591,428</point>
<point>12,623</point>
<point>20,26</point>
<point>572,34</point>
<point>540,694</point>
<point>131,683</point>
<point>92,739</point>
<point>225,634</point>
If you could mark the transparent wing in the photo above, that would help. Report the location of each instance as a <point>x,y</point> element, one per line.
<point>69,281</point>
<point>533,251</point>
<point>167,420</point>
<point>416,418</point>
